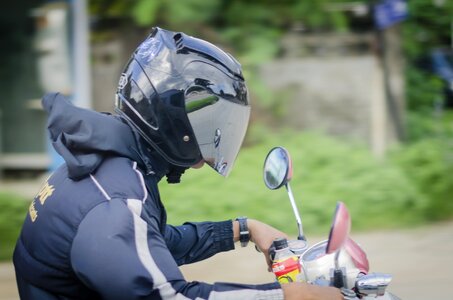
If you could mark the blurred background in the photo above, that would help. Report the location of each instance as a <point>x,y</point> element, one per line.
<point>359,92</point>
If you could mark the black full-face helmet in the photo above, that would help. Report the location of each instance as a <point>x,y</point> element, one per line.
<point>187,98</point>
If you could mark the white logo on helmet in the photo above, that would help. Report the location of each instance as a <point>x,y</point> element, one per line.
<point>221,168</point>
<point>123,81</point>
<point>220,165</point>
<point>149,49</point>
<point>217,137</point>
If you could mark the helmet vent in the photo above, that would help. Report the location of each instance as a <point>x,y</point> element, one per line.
<point>187,44</point>
<point>178,41</point>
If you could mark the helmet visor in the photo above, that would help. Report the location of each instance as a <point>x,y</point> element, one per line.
<point>219,126</point>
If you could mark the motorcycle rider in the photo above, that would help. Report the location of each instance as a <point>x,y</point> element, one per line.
<point>97,228</point>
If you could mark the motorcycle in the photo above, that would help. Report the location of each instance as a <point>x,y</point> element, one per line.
<point>338,261</point>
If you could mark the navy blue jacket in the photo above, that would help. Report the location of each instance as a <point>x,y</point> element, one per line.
<point>97,227</point>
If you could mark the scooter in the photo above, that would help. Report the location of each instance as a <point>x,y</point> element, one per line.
<point>337,261</point>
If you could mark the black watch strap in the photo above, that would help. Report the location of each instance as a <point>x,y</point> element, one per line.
<point>244,234</point>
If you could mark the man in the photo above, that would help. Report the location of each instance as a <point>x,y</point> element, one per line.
<point>97,228</point>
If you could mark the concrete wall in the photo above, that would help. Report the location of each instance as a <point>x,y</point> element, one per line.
<point>109,57</point>
<point>337,84</point>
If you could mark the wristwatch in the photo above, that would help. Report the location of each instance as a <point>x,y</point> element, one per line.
<point>244,234</point>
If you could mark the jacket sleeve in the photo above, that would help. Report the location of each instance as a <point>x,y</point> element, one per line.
<point>120,256</point>
<point>192,242</point>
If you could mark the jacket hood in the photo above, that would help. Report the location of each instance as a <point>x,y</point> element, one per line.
<point>84,137</point>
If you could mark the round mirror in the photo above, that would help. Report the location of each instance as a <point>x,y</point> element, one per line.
<point>277,168</point>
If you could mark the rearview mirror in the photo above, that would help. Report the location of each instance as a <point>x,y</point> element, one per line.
<point>339,231</point>
<point>338,235</point>
<point>277,168</point>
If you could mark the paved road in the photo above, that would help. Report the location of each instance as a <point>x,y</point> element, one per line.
<point>419,259</point>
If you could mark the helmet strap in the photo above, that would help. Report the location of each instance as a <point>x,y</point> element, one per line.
<point>175,173</point>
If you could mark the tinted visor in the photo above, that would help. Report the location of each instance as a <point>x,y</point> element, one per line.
<point>218,110</point>
<point>220,129</point>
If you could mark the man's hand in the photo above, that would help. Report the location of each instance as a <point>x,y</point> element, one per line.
<point>305,291</point>
<point>262,235</point>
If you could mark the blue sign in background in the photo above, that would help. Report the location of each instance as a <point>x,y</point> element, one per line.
<point>390,12</point>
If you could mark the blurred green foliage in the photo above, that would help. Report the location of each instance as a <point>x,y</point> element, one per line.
<point>428,163</point>
<point>428,27</point>
<point>428,123</point>
<point>427,156</point>
<point>378,193</point>
<point>12,214</point>
<point>251,28</point>
<point>224,13</point>
<point>424,89</point>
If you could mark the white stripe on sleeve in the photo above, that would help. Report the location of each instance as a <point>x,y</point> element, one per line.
<point>141,241</point>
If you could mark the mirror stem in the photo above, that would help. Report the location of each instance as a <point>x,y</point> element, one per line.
<point>338,278</point>
<point>337,258</point>
<point>296,212</point>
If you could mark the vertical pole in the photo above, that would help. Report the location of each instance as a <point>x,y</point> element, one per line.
<point>81,54</point>
<point>1,144</point>
<point>378,118</point>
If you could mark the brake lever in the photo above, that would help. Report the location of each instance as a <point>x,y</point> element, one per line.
<point>348,294</point>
